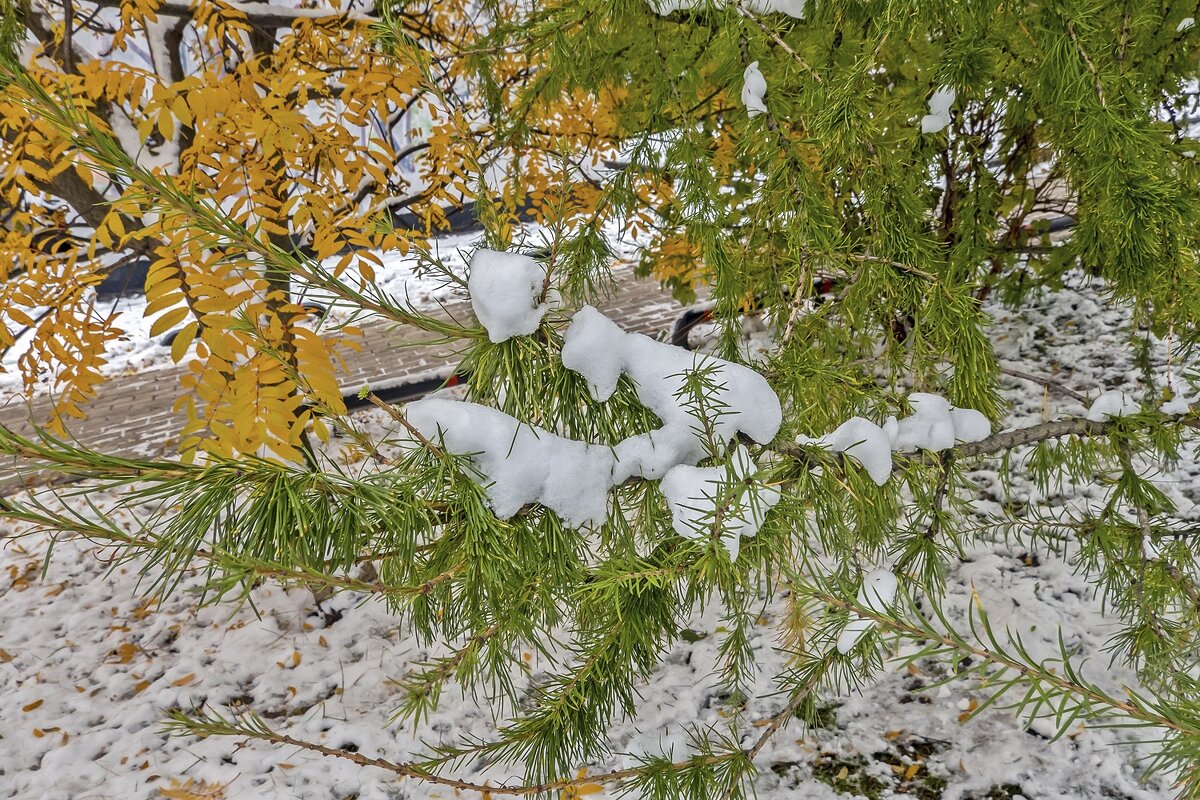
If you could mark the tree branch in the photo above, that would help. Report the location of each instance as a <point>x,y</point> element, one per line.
<point>1007,440</point>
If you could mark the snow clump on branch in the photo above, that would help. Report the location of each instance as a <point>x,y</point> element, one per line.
<point>703,497</point>
<point>877,593</point>
<point>862,440</point>
<point>521,463</point>
<point>939,111</point>
<point>754,87</point>
<point>741,400</point>
<point>1112,404</point>
<point>505,290</point>
<point>934,425</point>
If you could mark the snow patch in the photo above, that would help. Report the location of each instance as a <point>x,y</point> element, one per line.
<point>793,8</point>
<point>505,289</point>
<point>754,87</point>
<point>970,425</point>
<point>693,494</point>
<point>935,425</point>
<point>1112,404</point>
<point>522,463</point>
<point>597,348</point>
<point>877,593</point>
<point>939,111</point>
<point>862,440</point>
<point>1180,404</point>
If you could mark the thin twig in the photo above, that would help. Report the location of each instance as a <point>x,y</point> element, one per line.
<point>1088,61</point>
<point>412,770</point>
<point>777,40</point>
<point>1041,381</point>
<point>395,414</point>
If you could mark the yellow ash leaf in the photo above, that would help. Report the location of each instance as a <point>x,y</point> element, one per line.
<point>125,652</point>
<point>192,790</point>
<point>168,320</point>
<point>183,340</point>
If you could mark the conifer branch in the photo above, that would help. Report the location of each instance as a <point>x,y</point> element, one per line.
<point>774,37</point>
<point>254,727</point>
<point>1018,437</point>
<point>992,652</point>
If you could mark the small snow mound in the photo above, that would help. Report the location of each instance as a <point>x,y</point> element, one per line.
<point>939,111</point>
<point>935,425</point>
<point>878,590</point>
<point>1180,404</point>
<point>862,440</point>
<point>855,629</point>
<point>504,289</point>
<point>521,463</point>
<point>594,346</point>
<point>970,425</point>
<point>877,593</point>
<point>754,87</point>
<point>597,348</point>
<point>1112,404</point>
<point>931,427</point>
<point>692,495</point>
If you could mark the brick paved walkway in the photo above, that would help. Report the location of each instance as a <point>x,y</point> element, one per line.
<point>132,415</point>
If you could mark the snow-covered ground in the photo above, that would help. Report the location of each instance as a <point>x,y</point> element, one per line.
<point>90,666</point>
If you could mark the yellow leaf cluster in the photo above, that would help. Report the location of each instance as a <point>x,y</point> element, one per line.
<point>676,259</point>
<point>295,142</point>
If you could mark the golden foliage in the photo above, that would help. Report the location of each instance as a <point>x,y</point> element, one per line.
<point>294,138</point>
<point>676,259</point>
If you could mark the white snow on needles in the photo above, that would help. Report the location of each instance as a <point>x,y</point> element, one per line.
<point>934,425</point>
<point>506,291</point>
<point>877,593</point>
<point>597,348</point>
<point>939,111</point>
<point>754,88</point>
<point>520,464</point>
<point>695,493</point>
